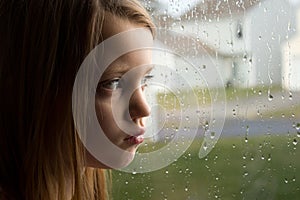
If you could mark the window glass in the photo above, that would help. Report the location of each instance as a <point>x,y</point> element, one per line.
<point>225,99</point>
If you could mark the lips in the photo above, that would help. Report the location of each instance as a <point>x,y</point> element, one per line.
<point>136,139</point>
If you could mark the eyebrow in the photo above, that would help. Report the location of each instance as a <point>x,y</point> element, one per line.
<point>116,69</point>
<point>119,69</point>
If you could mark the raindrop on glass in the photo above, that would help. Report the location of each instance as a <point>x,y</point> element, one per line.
<point>290,96</point>
<point>244,157</point>
<point>297,126</point>
<point>233,112</point>
<point>245,174</point>
<point>205,146</point>
<point>245,57</point>
<point>270,97</point>
<point>212,135</point>
<point>295,142</point>
<point>259,92</point>
<point>186,189</point>
<point>269,157</point>
<point>286,180</point>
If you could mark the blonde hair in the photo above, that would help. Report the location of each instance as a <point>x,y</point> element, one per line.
<point>42,46</point>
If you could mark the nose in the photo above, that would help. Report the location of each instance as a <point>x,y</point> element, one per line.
<point>138,106</point>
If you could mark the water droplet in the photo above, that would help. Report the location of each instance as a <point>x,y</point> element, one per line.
<point>297,126</point>
<point>212,135</point>
<point>290,96</point>
<point>233,146</point>
<point>259,37</point>
<point>245,174</point>
<point>205,146</point>
<point>182,27</point>
<point>295,142</point>
<point>259,92</point>
<point>269,157</point>
<point>286,180</point>
<point>250,61</point>
<point>233,112</point>
<point>134,172</point>
<point>258,113</point>
<point>245,57</point>
<point>167,172</point>
<point>246,139</point>
<point>126,182</point>
<point>270,97</point>
<point>242,191</point>
<point>186,189</point>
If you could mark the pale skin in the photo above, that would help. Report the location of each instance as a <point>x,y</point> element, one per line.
<point>111,82</point>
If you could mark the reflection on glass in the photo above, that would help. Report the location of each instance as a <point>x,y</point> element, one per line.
<point>255,45</point>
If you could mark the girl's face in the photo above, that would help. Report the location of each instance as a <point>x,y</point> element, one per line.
<point>112,88</point>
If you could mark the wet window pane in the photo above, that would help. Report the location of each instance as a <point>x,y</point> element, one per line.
<point>225,99</point>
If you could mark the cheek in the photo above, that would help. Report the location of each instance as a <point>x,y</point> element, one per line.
<point>103,112</point>
<point>106,119</point>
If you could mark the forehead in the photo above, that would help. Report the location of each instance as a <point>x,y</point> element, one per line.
<point>140,58</point>
<point>114,25</point>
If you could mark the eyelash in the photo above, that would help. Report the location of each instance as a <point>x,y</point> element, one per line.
<point>114,84</point>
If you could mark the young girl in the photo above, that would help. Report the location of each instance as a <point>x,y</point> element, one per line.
<point>42,45</point>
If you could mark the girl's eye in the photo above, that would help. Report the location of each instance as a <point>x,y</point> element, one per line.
<point>118,83</point>
<point>112,84</point>
<point>145,80</point>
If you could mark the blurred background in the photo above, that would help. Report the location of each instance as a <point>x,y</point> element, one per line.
<point>255,47</point>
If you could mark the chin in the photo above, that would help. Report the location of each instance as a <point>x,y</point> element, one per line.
<point>120,161</point>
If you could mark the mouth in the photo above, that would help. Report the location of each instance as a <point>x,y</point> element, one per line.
<point>136,139</point>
